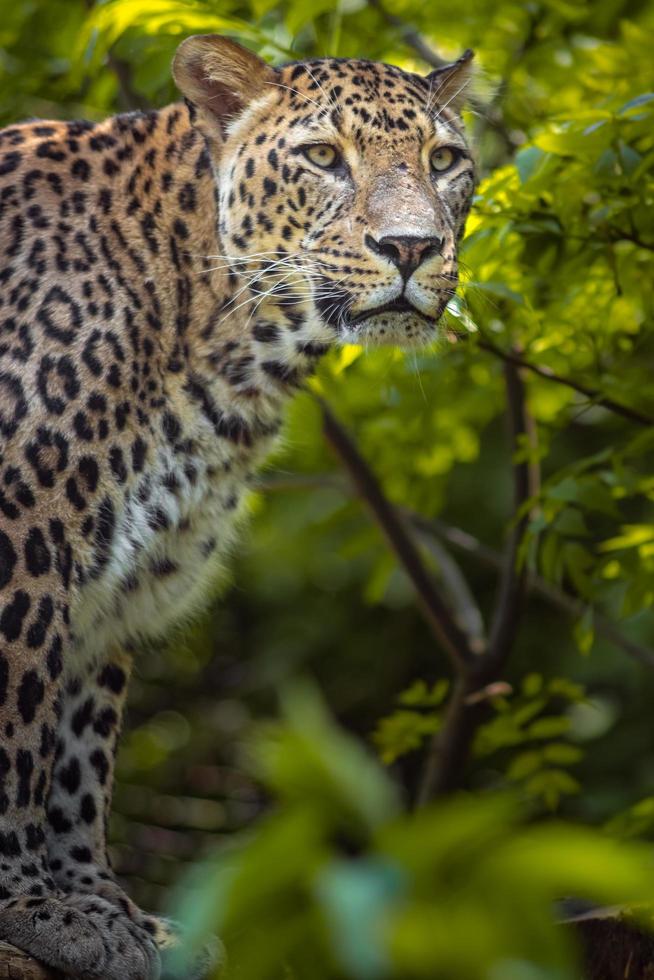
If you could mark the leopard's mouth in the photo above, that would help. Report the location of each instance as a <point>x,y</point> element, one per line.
<point>392,320</point>
<point>399,305</point>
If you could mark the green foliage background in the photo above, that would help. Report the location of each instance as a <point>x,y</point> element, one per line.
<point>558,266</point>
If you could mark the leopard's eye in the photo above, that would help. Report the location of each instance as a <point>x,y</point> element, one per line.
<point>322,154</point>
<point>443,158</point>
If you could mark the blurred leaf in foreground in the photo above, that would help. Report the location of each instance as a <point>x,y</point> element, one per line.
<point>338,882</point>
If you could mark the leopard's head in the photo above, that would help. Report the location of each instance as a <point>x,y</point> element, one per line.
<point>343,184</point>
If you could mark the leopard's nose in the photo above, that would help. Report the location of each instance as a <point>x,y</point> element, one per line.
<point>406,252</point>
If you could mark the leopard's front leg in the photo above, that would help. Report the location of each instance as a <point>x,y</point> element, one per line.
<point>84,936</point>
<point>82,784</point>
<point>80,798</point>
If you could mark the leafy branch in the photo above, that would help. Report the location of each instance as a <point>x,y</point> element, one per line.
<point>511,357</point>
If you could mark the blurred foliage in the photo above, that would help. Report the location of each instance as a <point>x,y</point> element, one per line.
<point>533,720</point>
<point>558,268</point>
<point>338,882</point>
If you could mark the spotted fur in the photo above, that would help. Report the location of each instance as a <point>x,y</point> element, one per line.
<point>167,280</point>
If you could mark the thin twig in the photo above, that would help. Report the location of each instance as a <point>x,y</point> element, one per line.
<point>466,611</point>
<point>438,616</point>
<point>122,70</point>
<point>618,234</point>
<point>591,393</point>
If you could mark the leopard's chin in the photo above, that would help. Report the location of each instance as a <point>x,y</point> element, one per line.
<point>407,329</point>
<point>400,330</point>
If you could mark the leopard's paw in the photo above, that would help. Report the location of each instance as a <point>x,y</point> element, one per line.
<point>82,936</point>
<point>131,953</point>
<point>56,934</point>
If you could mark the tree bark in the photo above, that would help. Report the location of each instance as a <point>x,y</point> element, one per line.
<point>613,949</point>
<point>16,965</point>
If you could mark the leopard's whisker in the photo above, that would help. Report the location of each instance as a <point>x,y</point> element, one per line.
<point>331,98</point>
<point>301,95</point>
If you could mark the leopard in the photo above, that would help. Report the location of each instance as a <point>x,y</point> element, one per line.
<point>169,279</point>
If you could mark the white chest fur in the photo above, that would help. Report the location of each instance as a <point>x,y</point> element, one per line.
<point>168,538</point>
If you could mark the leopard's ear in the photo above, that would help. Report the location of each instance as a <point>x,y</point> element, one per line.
<point>448,85</point>
<point>219,77</point>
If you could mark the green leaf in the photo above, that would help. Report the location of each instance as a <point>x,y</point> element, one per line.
<point>551,785</point>
<point>562,753</point>
<point>311,759</point>
<point>636,102</point>
<point>529,161</point>
<point>584,631</point>
<point>524,764</point>
<point>548,727</point>
<point>419,695</point>
<point>403,732</point>
<point>357,896</point>
<point>633,535</point>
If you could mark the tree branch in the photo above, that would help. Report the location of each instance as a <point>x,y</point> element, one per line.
<point>614,948</point>
<point>410,36</point>
<point>463,541</point>
<point>17,965</point>
<point>595,396</point>
<point>438,616</point>
<point>467,543</point>
<point>450,748</point>
<point>512,580</point>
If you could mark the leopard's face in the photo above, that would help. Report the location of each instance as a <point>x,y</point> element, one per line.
<point>344,185</point>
